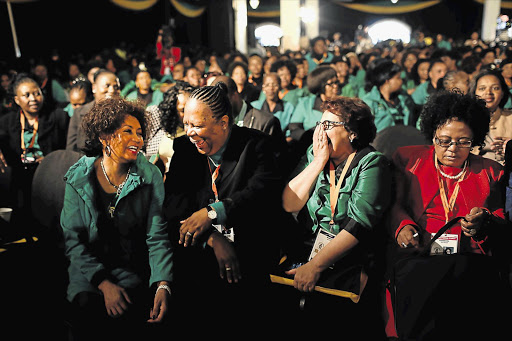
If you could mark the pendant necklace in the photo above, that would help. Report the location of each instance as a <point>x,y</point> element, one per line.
<point>111,206</point>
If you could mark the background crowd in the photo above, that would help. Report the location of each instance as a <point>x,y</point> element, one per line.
<point>392,92</point>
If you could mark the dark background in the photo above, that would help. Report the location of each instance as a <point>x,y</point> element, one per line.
<point>89,26</point>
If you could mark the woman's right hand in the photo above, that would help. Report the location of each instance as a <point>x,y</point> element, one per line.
<point>408,237</point>
<point>229,268</point>
<point>320,144</point>
<point>116,298</point>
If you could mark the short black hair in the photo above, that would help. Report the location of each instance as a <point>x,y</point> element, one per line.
<point>379,71</point>
<point>446,106</point>
<point>289,64</point>
<point>318,77</point>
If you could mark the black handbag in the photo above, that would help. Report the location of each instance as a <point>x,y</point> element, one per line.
<point>434,296</point>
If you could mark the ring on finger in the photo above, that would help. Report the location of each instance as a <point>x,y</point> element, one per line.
<point>228,268</point>
<point>188,233</point>
<point>404,245</point>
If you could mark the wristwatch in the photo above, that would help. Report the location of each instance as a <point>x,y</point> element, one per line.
<point>212,214</point>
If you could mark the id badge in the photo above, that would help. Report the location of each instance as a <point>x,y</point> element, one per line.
<point>228,233</point>
<point>323,238</point>
<point>446,244</point>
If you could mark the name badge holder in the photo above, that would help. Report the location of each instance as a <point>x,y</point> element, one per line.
<point>324,237</point>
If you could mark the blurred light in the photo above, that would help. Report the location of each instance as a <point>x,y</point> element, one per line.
<point>254,3</point>
<point>389,29</point>
<point>268,35</point>
<point>394,1</point>
<point>307,14</point>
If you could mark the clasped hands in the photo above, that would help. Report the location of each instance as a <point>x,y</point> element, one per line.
<point>471,225</point>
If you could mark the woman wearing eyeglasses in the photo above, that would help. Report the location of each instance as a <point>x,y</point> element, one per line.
<point>442,181</point>
<point>390,104</point>
<point>342,164</point>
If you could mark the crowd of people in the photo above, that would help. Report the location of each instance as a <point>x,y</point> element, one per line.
<point>200,175</point>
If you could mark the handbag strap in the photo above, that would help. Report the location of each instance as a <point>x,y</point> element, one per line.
<point>442,230</point>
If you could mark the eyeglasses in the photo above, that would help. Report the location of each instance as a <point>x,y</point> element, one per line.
<point>328,125</point>
<point>447,143</point>
<point>335,83</point>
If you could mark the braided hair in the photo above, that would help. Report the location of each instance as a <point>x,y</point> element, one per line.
<point>216,98</point>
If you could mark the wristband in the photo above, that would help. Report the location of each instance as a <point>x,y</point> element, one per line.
<point>163,286</point>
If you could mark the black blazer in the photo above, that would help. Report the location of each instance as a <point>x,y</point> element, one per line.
<point>51,135</point>
<point>249,185</point>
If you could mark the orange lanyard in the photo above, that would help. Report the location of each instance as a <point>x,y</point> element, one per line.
<point>448,205</point>
<point>333,194</point>
<point>283,93</point>
<point>22,122</point>
<point>215,174</point>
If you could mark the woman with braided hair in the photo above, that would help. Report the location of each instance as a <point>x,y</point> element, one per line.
<point>223,210</point>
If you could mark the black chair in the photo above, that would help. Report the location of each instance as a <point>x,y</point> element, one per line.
<point>48,187</point>
<point>391,138</point>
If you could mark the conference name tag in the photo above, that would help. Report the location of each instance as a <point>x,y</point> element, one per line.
<point>446,244</point>
<point>323,238</point>
<point>228,233</point>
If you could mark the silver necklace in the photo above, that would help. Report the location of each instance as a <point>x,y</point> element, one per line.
<point>120,187</point>
<point>453,177</point>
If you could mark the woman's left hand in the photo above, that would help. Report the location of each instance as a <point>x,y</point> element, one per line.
<point>194,226</point>
<point>472,222</point>
<point>305,277</point>
<point>160,306</point>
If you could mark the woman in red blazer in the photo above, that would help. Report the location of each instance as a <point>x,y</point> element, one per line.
<point>439,182</point>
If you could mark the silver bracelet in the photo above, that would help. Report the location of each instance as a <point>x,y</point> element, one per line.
<point>164,286</point>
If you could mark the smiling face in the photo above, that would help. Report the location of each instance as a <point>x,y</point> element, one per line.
<point>271,87</point>
<point>106,86</point>
<point>489,89</point>
<point>285,76</point>
<point>453,156</point>
<point>29,97</point>
<point>205,131</point>
<point>126,141</point>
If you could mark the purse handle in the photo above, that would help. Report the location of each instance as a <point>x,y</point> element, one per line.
<point>442,230</point>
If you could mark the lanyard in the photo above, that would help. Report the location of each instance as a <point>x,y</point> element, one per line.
<point>448,204</point>
<point>215,174</point>
<point>34,132</point>
<point>333,194</point>
<point>283,93</point>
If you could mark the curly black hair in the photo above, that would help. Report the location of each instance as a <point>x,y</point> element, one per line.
<point>289,64</point>
<point>105,117</point>
<point>444,106</point>
<point>169,118</point>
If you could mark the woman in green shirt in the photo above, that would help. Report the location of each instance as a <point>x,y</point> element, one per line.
<point>341,145</point>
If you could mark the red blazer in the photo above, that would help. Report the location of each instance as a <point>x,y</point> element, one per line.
<point>417,184</point>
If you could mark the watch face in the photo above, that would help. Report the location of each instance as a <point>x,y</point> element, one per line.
<point>212,214</point>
